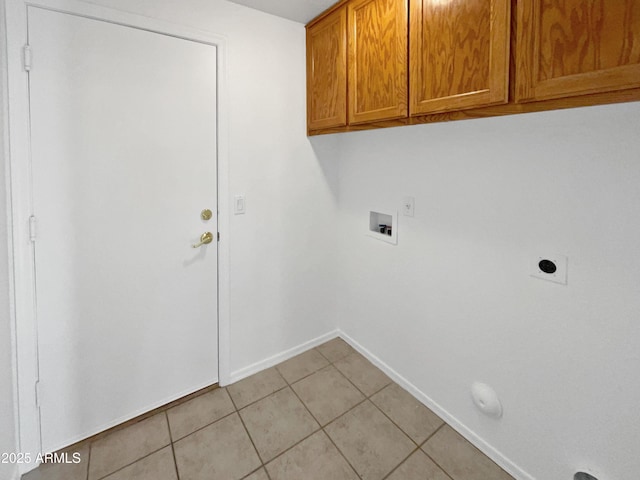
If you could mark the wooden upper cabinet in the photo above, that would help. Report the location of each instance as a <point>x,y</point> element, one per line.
<point>459,54</point>
<point>377,60</point>
<point>327,71</point>
<point>575,47</point>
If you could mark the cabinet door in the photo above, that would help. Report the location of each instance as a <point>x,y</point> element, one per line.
<point>459,54</point>
<point>377,60</point>
<point>327,72</point>
<point>575,47</point>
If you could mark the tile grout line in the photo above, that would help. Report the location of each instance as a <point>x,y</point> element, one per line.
<point>305,406</point>
<point>322,427</point>
<point>366,397</point>
<point>261,467</point>
<point>341,453</point>
<point>332,363</point>
<point>437,464</point>
<point>418,446</point>
<point>287,385</point>
<point>293,446</point>
<point>319,429</point>
<point>261,398</point>
<point>104,477</point>
<point>349,410</point>
<point>302,439</point>
<point>173,450</point>
<point>203,427</point>
<point>320,352</point>
<point>305,376</point>
<point>350,381</point>
<point>429,456</point>
<point>394,423</point>
<point>166,416</point>
<point>248,434</point>
<point>175,461</point>
<point>433,434</point>
<point>144,456</point>
<point>323,430</point>
<point>89,460</point>
<point>401,463</point>
<point>370,398</point>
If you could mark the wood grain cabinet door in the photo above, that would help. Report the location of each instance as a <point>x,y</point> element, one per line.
<point>377,60</point>
<point>459,54</point>
<point>575,47</point>
<point>327,72</point>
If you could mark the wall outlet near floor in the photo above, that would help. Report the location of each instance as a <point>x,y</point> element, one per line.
<point>552,268</point>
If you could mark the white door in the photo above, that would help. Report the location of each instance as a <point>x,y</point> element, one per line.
<point>123,126</point>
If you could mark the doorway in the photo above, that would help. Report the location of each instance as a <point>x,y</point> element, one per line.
<point>123,160</point>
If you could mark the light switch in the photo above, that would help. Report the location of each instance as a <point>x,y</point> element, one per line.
<point>408,206</point>
<point>239,205</point>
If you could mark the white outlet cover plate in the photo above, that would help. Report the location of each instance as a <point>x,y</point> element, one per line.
<point>559,276</point>
<point>408,206</point>
<point>239,205</point>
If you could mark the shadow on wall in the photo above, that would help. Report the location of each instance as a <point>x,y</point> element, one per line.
<point>326,148</point>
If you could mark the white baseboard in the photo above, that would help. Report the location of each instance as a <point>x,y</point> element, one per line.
<point>506,464</point>
<point>280,357</point>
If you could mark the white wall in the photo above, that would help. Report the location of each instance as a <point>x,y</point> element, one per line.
<point>7,425</point>
<point>281,270</point>
<point>453,302</point>
<point>281,259</point>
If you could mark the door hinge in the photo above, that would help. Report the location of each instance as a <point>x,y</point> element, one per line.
<point>38,393</point>
<point>26,57</point>
<point>32,228</point>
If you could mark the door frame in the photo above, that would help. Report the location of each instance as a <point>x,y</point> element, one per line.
<point>19,196</point>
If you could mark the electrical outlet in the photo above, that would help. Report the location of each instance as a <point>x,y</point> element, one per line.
<point>552,268</point>
<point>408,206</point>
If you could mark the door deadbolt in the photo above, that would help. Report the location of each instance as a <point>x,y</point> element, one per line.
<point>206,214</point>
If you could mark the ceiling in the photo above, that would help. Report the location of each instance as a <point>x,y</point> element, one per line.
<point>297,10</point>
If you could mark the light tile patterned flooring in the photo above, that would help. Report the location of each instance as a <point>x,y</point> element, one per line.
<point>327,414</point>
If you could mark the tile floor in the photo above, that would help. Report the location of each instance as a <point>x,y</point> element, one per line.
<point>327,414</point>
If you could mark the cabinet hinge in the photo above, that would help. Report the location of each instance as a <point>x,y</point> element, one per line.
<point>26,57</point>
<point>32,228</point>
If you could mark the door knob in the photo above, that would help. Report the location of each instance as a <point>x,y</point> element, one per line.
<point>205,238</point>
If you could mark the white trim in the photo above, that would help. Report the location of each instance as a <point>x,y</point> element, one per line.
<point>224,214</point>
<point>20,209</point>
<point>4,93</point>
<point>506,464</point>
<point>282,356</point>
<point>19,175</point>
